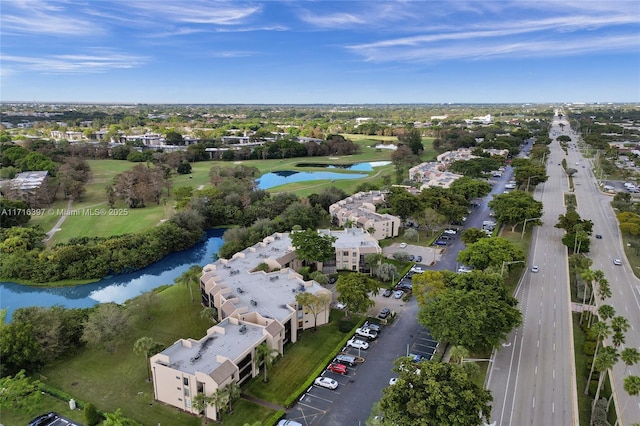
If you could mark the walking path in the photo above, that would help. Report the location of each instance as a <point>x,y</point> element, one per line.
<point>58,224</point>
<point>262,402</point>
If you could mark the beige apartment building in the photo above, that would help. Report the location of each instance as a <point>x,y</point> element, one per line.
<point>359,210</point>
<point>254,293</point>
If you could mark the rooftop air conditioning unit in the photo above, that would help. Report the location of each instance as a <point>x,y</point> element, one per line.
<point>243,329</point>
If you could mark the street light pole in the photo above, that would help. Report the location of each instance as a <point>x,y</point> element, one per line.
<point>509,263</point>
<point>525,225</point>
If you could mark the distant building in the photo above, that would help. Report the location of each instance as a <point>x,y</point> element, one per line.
<point>432,174</point>
<point>359,210</point>
<point>30,187</point>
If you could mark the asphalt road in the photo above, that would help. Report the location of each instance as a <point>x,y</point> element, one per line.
<point>532,376</point>
<point>625,299</point>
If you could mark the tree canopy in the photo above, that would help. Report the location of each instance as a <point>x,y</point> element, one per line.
<point>514,207</point>
<point>313,247</point>
<point>433,393</point>
<point>490,252</point>
<point>354,290</point>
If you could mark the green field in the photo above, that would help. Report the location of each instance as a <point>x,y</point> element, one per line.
<point>82,224</point>
<point>119,379</point>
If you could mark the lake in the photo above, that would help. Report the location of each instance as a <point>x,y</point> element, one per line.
<point>116,289</point>
<point>270,180</point>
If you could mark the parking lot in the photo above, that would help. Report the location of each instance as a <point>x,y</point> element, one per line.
<point>312,406</point>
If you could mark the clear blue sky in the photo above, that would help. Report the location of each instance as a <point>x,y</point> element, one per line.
<point>294,52</point>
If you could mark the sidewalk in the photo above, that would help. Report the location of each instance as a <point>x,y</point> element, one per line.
<point>264,403</point>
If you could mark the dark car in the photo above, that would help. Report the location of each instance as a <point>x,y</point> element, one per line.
<point>418,258</point>
<point>411,258</point>
<point>44,419</point>
<point>598,236</point>
<point>371,326</point>
<point>440,243</point>
<point>332,280</point>
<point>387,293</point>
<point>384,313</point>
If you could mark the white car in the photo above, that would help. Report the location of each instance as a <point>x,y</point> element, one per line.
<point>450,231</point>
<point>417,269</point>
<point>366,332</point>
<point>403,245</point>
<point>464,269</point>
<point>393,381</point>
<point>326,382</point>
<point>534,269</point>
<point>617,262</point>
<point>358,344</point>
<point>398,294</point>
<point>340,306</point>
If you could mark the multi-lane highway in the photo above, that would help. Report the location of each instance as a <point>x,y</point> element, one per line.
<point>594,205</point>
<point>532,377</point>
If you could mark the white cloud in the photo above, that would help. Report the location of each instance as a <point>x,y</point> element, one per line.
<point>42,17</point>
<point>198,12</point>
<point>74,63</point>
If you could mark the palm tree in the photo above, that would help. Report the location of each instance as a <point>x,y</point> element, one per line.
<point>200,403</point>
<point>458,353</point>
<point>233,393</point>
<point>604,289</point>
<point>190,276</point>
<point>601,330</point>
<point>588,275</point>
<point>209,314</point>
<point>267,355</point>
<point>143,346</point>
<point>605,360</point>
<point>632,386</point>
<point>620,324</point>
<point>606,312</point>
<point>630,356</point>
<point>617,338</point>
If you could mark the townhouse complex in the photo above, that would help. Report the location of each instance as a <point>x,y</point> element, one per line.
<point>254,294</point>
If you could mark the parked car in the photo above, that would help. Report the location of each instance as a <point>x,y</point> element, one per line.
<point>340,306</point>
<point>326,382</point>
<point>440,243</point>
<point>398,294</point>
<point>411,258</point>
<point>418,258</point>
<point>332,280</point>
<point>450,231</point>
<point>384,313</point>
<point>285,422</point>
<point>393,381</point>
<point>343,359</point>
<point>372,326</point>
<point>358,344</point>
<point>417,269</point>
<point>464,269</point>
<point>403,245</point>
<point>387,293</point>
<point>366,332</point>
<point>338,368</point>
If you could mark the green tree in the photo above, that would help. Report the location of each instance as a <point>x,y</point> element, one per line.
<point>630,356</point>
<point>471,235</point>
<point>514,207</point>
<point>312,247</point>
<point>632,387</point>
<point>117,418</point>
<point>146,346</point>
<point>404,204</point>
<point>209,314</point>
<point>19,392</point>
<point>174,138</point>
<point>267,356</point>
<point>458,354</point>
<point>478,318</point>
<point>91,415</point>
<point>600,330</point>
<point>434,393</point>
<point>13,213</point>
<point>314,304</point>
<point>490,252</point>
<point>201,402</point>
<point>354,290</point>
<point>470,188</point>
<point>411,234</point>
<point>412,138</point>
<point>605,360</point>
<point>105,325</point>
<point>233,393</point>
<point>19,347</point>
<point>372,260</point>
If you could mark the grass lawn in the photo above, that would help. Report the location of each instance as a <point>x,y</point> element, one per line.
<point>45,404</point>
<point>582,370</point>
<point>119,379</point>
<point>298,363</point>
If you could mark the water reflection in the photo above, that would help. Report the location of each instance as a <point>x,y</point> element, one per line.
<point>269,180</point>
<point>118,288</point>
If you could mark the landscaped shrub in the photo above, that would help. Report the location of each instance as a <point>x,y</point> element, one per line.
<point>589,348</point>
<point>91,415</point>
<point>593,387</point>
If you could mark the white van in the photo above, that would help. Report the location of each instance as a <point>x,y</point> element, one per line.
<point>285,422</point>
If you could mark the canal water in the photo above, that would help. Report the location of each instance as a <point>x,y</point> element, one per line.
<point>116,289</point>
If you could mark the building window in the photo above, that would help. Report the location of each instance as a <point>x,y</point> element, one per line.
<point>186,392</point>
<point>345,253</point>
<point>185,381</point>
